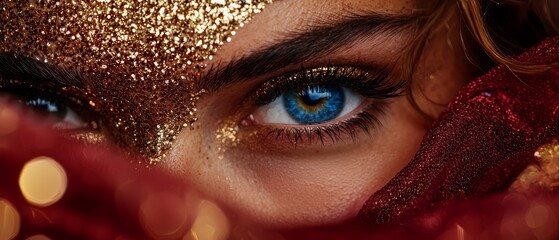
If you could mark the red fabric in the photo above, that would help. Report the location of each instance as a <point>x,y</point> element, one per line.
<point>485,138</point>
<point>104,191</point>
<point>467,160</point>
<point>480,144</point>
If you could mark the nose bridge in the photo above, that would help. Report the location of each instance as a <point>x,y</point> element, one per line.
<point>189,154</point>
<point>140,59</point>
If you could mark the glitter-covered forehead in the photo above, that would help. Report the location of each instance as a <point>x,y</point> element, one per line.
<point>139,58</point>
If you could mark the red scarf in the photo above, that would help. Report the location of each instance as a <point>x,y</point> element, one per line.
<point>469,157</point>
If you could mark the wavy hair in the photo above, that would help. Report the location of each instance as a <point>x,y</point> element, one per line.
<point>493,32</point>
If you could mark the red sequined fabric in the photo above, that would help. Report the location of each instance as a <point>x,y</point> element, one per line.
<point>453,188</point>
<point>484,140</point>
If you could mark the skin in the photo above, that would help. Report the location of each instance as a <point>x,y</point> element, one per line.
<point>276,183</point>
<point>318,184</point>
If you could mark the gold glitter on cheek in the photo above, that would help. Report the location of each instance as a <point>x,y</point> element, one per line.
<point>226,137</point>
<point>140,59</point>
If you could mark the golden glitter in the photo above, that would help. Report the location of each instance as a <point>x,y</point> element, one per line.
<point>139,59</point>
<point>228,134</point>
<point>543,175</point>
<point>226,137</point>
<point>88,137</point>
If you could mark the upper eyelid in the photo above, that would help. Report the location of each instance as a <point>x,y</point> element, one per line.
<point>32,76</point>
<point>325,37</point>
<point>376,81</point>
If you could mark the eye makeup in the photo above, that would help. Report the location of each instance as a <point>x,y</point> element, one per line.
<point>375,86</point>
<point>61,109</point>
<point>139,59</point>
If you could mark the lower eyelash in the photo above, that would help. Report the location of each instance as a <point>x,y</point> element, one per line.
<point>365,121</point>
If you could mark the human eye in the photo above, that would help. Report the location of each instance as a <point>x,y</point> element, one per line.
<point>60,108</point>
<point>309,105</point>
<point>325,103</point>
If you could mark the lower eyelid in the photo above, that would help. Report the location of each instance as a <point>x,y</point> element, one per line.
<point>280,138</point>
<point>276,113</point>
<point>358,117</point>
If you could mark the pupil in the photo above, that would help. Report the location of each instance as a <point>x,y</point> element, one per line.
<point>311,100</point>
<point>315,95</point>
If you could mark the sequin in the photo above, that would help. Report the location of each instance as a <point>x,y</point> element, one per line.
<point>480,144</point>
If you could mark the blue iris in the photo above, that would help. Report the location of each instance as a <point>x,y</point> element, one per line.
<point>47,107</point>
<point>314,104</point>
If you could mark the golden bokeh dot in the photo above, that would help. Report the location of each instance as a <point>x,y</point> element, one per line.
<point>9,220</point>
<point>42,181</point>
<point>38,237</point>
<point>537,216</point>
<point>542,220</point>
<point>149,51</point>
<point>210,223</point>
<point>8,121</point>
<point>164,216</point>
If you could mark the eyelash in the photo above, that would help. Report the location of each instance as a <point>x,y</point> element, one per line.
<point>373,85</point>
<point>363,120</point>
<point>25,92</point>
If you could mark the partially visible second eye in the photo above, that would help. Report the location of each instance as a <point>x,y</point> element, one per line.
<point>53,110</point>
<point>309,105</point>
<point>56,113</point>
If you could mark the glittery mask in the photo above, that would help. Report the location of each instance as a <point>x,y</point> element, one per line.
<point>139,59</point>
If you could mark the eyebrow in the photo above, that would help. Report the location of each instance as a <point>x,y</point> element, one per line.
<point>30,69</point>
<point>321,38</point>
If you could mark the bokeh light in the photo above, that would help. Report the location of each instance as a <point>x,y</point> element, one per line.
<point>8,120</point>
<point>43,181</point>
<point>38,237</point>
<point>541,219</point>
<point>9,220</point>
<point>537,216</point>
<point>164,216</point>
<point>210,224</point>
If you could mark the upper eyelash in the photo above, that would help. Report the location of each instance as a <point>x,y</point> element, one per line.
<point>374,85</point>
<point>25,89</point>
<point>13,66</point>
<point>370,84</point>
